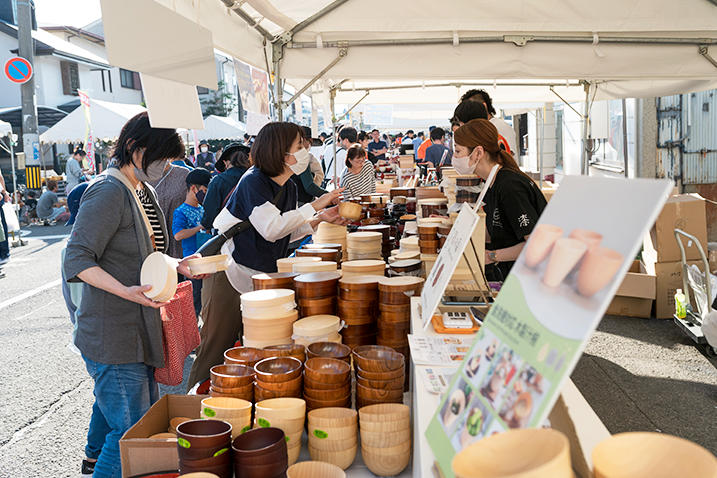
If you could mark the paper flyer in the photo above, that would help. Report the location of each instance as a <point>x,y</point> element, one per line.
<point>436,379</point>
<point>550,304</point>
<point>439,350</point>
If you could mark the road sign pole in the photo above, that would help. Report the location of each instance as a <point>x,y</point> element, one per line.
<point>26,49</point>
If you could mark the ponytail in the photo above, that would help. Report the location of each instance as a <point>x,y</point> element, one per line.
<point>506,160</point>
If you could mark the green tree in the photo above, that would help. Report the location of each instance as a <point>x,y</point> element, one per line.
<point>220,102</point>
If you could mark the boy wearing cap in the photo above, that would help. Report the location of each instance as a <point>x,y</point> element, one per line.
<point>186,223</point>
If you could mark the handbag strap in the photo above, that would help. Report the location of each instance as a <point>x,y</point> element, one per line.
<point>116,173</point>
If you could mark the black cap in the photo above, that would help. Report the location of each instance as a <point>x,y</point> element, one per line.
<point>199,176</point>
<point>323,135</point>
<point>204,141</point>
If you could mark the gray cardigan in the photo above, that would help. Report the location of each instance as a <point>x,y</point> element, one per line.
<point>109,232</point>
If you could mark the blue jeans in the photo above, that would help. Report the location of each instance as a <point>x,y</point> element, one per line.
<point>56,211</point>
<point>123,394</point>
<point>4,244</point>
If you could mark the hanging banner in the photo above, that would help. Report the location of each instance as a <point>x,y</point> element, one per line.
<point>89,140</point>
<point>261,90</point>
<point>555,296</point>
<point>376,115</point>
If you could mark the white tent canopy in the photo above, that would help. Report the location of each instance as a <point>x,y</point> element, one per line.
<point>107,121</point>
<point>5,129</point>
<point>221,127</point>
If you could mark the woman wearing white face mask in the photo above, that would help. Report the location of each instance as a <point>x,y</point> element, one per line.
<point>359,176</point>
<point>513,203</point>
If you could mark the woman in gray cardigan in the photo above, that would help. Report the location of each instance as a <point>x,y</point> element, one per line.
<point>119,329</point>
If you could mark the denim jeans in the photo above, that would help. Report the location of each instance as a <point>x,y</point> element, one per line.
<point>123,394</point>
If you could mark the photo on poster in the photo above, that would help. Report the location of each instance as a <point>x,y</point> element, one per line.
<point>524,398</point>
<point>458,398</point>
<point>473,424</point>
<point>501,373</point>
<point>479,363</point>
<point>261,90</point>
<point>245,84</point>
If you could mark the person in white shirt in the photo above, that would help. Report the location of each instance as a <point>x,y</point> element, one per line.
<point>347,136</point>
<point>504,129</point>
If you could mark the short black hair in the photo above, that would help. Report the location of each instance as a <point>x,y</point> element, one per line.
<point>198,177</point>
<point>246,136</point>
<point>159,144</point>
<point>362,135</point>
<point>79,152</point>
<point>271,146</point>
<point>420,134</point>
<point>374,130</point>
<point>470,110</point>
<point>348,132</point>
<point>410,131</point>
<point>437,133</point>
<point>481,96</point>
<point>307,132</point>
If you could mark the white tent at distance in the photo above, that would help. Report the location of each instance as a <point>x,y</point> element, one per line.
<point>5,129</point>
<point>221,127</point>
<point>107,121</point>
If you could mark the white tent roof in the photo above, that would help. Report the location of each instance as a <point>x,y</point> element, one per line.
<point>5,129</point>
<point>221,127</point>
<point>107,121</point>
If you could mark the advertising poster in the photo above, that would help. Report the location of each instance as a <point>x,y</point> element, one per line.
<point>550,304</point>
<point>246,86</point>
<point>89,140</point>
<point>261,90</point>
<point>378,115</point>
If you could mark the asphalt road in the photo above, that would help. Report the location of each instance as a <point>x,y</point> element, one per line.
<point>637,374</point>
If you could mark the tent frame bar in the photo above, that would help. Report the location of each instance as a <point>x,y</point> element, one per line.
<point>236,8</point>
<point>316,16</point>
<point>455,84</point>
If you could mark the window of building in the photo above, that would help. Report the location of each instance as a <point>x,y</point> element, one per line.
<point>70,78</point>
<point>202,91</point>
<point>130,79</point>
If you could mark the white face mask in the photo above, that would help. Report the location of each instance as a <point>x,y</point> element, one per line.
<point>302,161</point>
<point>204,149</point>
<point>462,164</point>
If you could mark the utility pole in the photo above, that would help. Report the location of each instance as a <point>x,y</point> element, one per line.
<point>26,49</point>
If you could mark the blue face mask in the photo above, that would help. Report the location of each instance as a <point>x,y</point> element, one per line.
<point>200,195</point>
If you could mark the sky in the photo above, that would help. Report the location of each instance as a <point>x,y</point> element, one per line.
<point>76,13</point>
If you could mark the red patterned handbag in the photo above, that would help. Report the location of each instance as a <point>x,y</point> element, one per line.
<point>180,334</point>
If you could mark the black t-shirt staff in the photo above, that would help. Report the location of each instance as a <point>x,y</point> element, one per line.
<point>513,203</point>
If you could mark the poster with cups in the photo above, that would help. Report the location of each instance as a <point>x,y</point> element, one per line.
<point>555,296</point>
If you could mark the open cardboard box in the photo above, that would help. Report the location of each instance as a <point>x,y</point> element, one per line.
<point>686,212</point>
<point>635,296</point>
<point>141,455</point>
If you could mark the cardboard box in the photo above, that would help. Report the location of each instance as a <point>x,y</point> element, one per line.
<point>686,212</point>
<point>138,453</point>
<point>668,280</point>
<point>635,296</point>
<point>712,258</point>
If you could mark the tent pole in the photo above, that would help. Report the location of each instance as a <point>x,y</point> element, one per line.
<point>278,90</point>
<point>542,145</point>
<point>332,93</point>
<point>585,159</point>
<point>320,14</point>
<point>354,106</point>
<point>624,138</point>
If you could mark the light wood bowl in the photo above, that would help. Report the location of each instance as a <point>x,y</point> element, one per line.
<point>315,469</point>
<point>293,425</point>
<point>175,422</point>
<point>388,451</point>
<point>283,408</point>
<point>543,453</point>
<point>342,459</point>
<point>293,453</point>
<point>385,439</point>
<point>350,211</point>
<point>386,412</point>
<point>159,271</point>
<point>654,455</point>
<point>333,418</point>
<point>225,408</point>
<point>366,402</point>
<point>334,445</point>
<point>386,465</point>
<point>163,436</point>
<point>387,426</point>
<point>326,433</point>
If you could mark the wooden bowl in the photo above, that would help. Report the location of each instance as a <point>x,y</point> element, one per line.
<point>378,394</point>
<point>385,439</point>
<point>289,350</point>
<point>315,404</point>
<point>249,460</point>
<point>247,395</point>
<point>386,465</point>
<point>401,372</point>
<point>203,434</point>
<point>225,408</point>
<point>388,451</point>
<point>395,384</point>
<point>318,433</point>
<point>328,395</point>
<point>278,369</point>
<point>544,453</point>
<point>243,356</point>
<point>350,211</point>
<point>232,391</point>
<point>333,418</point>
<point>391,426</point>
<point>258,442</point>
<point>264,470</point>
<point>274,280</point>
<point>327,370</point>
<point>314,469</point>
<point>218,470</point>
<point>194,453</point>
<point>282,408</point>
<point>359,330</point>
<point>342,459</point>
<point>376,360</point>
<point>335,445</point>
<point>314,385</point>
<point>641,454</point>
<point>329,349</point>
<point>290,386</point>
<point>231,375</point>
<point>262,394</point>
<point>384,413</point>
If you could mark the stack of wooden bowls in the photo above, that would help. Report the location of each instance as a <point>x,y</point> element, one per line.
<point>314,469</point>
<point>288,414</point>
<point>394,323</point>
<point>317,328</point>
<point>317,293</point>
<point>385,230</point>
<point>232,381</point>
<point>248,356</point>
<point>332,234</point>
<point>365,245</point>
<point>380,375</point>
<point>333,436</point>
<point>327,246</point>
<point>409,244</point>
<point>330,350</point>
<point>386,438</point>
<point>278,377</point>
<point>325,254</point>
<point>428,241</point>
<point>358,308</point>
<point>268,316</point>
<point>406,267</point>
<point>434,207</point>
<point>289,350</point>
<point>467,195</point>
<point>287,264</point>
<point>322,266</point>
<point>235,411</point>
<point>274,280</point>
<point>361,268</point>
<point>327,383</point>
<point>443,231</point>
<point>203,446</point>
<point>261,453</point>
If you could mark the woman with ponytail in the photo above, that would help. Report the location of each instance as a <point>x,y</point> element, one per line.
<point>513,203</point>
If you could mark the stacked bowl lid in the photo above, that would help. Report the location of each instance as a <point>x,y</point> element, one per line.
<point>274,280</point>
<point>395,305</point>
<point>324,246</point>
<point>333,435</point>
<point>365,245</point>
<point>358,308</point>
<point>325,254</point>
<point>330,350</point>
<point>322,266</point>
<point>409,244</point>
<point>327,383</point>
<point>209,264</point>
<point>205,446</point>
<point>232,381</point>
<point>317,328</point>
<point>160,271</point>
<point>317,293</point>
<point>428,241</point>
<point>261,452</point>
<point>366,267</point>
<point>288,414</point>
<point>235,411</point>
<point>385,230</point>
<point>332,234</point>
<point>287,350</point>
<point>386,438</point>
<point>278,377</point>
<point>406,267</point>
<point>287,264</point>
<point>380,375</point>
<point>268,316</point>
